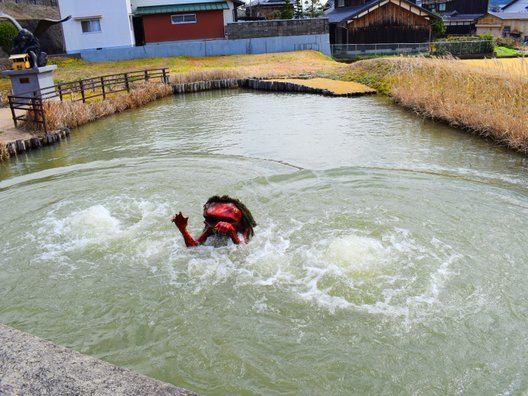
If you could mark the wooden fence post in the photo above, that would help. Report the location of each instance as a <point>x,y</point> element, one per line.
<point>103,87</point>
<point>81,85</point>
<point>43,115</point>
<point>11,104</point>
<point>126,83</point>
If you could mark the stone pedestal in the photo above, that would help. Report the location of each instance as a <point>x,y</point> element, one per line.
<point>32,82</point>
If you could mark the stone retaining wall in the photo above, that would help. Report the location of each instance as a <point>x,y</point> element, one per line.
<point>21,146</point>
<point>276,28</point>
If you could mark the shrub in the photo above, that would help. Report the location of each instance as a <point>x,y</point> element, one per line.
<point>4,154</point>
<point>507,42</point>
<point>7,32</point>
<point>438,27</point>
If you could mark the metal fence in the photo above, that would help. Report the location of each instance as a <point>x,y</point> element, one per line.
<point>448,47</point>
<point>52,3</point>
<point>354,51</point>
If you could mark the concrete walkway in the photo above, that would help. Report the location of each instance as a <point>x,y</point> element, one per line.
<point>8,132</point>
<point>31,366</point>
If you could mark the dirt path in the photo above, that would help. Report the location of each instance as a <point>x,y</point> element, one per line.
<point>8,132</point>
<point>334,86</point>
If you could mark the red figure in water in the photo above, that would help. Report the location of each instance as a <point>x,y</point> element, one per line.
<point>223,216</point>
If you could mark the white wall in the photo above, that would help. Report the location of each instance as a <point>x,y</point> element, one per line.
<point>116,24</point>
<point>518,6</point>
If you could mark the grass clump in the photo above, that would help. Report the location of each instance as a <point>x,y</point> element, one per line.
<point>71,114</point>
<point>4,153</point>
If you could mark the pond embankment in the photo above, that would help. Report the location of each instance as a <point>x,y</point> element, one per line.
<point>32,366</point>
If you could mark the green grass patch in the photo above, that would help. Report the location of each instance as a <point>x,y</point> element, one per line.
<point>505,51</point>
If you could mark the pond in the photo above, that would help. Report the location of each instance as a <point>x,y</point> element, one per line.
<point>389,258</point>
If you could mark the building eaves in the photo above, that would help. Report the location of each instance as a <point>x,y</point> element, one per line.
<point>187,7</point>
<point>510,15</point>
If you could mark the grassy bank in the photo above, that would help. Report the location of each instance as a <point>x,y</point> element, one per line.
<point>488,98</point>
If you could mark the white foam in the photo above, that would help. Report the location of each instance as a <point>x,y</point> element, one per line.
<point>354,253</point>
<point>93,223</point>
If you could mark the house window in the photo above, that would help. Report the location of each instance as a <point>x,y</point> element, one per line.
<point>91,25</point>
<point>441,7</point>
<point>183,18</point>
<point>340,3</point>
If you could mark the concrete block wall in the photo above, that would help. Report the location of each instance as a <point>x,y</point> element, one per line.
<point>259,45</point>
<point>276,28</point>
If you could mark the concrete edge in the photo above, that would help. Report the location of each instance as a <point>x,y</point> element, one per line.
<point>32,366</point>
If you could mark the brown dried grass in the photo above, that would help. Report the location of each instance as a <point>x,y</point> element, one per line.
<point>205,75</point>
<point>4,153</point>
<point>72,114</point>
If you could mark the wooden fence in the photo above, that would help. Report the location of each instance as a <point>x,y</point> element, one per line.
<point>81,90</point>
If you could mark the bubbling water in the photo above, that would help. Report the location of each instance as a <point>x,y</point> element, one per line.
<point>356,254</point>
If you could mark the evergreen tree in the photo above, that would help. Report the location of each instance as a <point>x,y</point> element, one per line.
<point>314,8</point>
<point>286,12</point>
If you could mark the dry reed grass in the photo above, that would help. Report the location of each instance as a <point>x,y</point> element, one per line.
<point>501,66</point>
<point>487,101</point>
<point>4,153</point>
<point>205,75</point>
<point>72,114</point>
<point>225,74</point>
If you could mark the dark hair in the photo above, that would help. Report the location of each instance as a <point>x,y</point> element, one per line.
<point>247,218</point>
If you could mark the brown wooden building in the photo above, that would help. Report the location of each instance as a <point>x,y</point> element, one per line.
<point>512,25</point>
<point>378,21</point>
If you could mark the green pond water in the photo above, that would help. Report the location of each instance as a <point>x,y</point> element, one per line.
<point>390,255</point>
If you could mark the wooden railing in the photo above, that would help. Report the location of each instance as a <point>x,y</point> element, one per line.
<point>33,109</point>
<point>80,90</point>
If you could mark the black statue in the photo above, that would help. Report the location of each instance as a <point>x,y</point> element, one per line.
<point>26,42</point>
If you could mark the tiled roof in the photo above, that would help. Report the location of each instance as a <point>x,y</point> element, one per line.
<point>461,17</point>
<point>342,13</point>
<point>510,15</point>
<point>167,9</point>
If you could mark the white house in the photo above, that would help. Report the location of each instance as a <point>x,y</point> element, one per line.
<point>97,24</point>
<point>126,23</point>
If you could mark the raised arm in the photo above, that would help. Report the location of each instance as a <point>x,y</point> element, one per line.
<point>181,223</point>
